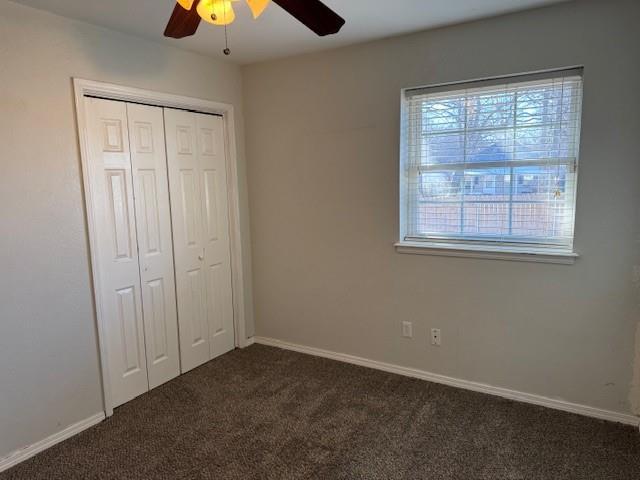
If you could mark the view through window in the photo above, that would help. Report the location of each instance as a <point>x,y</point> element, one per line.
<point>493,161</point>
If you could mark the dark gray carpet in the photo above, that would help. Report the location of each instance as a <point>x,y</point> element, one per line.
<point>265,413</point>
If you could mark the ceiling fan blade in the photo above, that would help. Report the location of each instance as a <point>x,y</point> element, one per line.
<point>183,22</point>
<point>314,14</point>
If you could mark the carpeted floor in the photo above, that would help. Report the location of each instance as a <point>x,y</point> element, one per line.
<point>265,413</point>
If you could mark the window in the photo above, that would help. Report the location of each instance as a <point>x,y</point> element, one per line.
<point>492,163</point>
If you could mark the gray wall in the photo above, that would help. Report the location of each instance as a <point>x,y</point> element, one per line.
<point>322,149</point>
<point>49,375</point>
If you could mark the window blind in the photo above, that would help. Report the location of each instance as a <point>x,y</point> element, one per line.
<point>493,161</point>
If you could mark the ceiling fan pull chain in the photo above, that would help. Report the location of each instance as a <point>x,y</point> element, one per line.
<point>226,50</point>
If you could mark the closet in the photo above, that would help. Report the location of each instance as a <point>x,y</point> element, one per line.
<point>158,206</point>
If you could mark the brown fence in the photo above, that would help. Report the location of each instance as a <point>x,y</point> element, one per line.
<point>533,215</point>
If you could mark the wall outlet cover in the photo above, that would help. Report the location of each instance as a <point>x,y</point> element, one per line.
<point>436,337</point>
<point>407,329</point>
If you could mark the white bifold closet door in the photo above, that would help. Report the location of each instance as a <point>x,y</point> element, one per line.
<point>155,248</point>
<point>130,208</point>
<point>198,186</point>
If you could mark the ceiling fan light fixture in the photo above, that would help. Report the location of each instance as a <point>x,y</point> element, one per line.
<point>186,4</point>
<point>217,12</point>
<point>257,7</point>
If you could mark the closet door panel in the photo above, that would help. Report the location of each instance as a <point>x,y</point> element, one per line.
<point>118,293</point>
<point>213,178</point>
<point>189,251</point>
<point>153,225</point>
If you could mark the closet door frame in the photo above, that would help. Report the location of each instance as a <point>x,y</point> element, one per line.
<point>83,88</point>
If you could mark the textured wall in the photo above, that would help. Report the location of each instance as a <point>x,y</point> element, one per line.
<point>49,375</point>
<point>322,150</point>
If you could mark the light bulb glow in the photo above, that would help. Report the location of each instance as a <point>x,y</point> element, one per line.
<point>217,12</point>
<point>186,4</point>
<point>257,6</point>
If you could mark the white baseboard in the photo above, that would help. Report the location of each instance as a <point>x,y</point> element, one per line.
<point>27,452</point>
<point>249,341</point>
<point>556,404</point>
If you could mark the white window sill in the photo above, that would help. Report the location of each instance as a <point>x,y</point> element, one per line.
<point>513,253</point>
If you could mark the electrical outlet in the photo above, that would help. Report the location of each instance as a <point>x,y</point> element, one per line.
<point>436,337</point>
<point>407,329</point>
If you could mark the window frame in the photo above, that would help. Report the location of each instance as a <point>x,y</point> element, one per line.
<point>511,248</point>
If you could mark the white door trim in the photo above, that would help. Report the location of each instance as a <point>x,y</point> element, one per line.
<point>109,91</point>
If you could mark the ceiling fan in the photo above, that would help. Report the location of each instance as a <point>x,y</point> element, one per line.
<point>187,14</point>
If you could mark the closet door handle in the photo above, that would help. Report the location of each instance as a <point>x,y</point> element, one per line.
<point>201,256</point>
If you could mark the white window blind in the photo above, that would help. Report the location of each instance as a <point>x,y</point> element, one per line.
<point>493,161</point>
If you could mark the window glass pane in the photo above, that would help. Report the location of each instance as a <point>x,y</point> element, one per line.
<point>489,146</point>
<point>482,219</point>
<point>538,106</point>
<point>542,202</point>
<point>443,148</point>
<point>438,219</point>
<point>442,116</point>
<point>486,202</point>
<point>493,110</point>
<point>489,184</point>
<point>544,142</point>
<point>440,186</point>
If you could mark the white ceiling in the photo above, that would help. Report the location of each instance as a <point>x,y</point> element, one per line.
<point>275,33</point>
